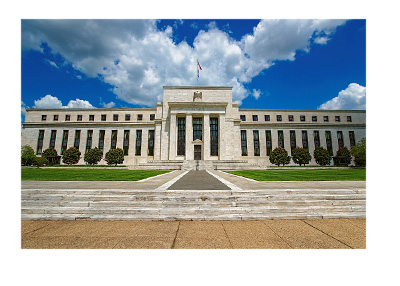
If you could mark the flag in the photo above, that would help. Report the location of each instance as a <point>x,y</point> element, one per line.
<point>199,65</point>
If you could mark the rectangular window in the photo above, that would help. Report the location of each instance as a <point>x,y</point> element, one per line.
<point>243,117</point>
<point>255,117</point>
<point>127,117</point>
<point>44,117</point>
<point>329,142</point>
<point>279,118</point>
<point>214,136</point>
<point>102,134</point>
<point>340,138</point>
<point>77,139</point>
<point>256,143</point>
<point>292,139</point>
<point>115,117</point>
<point>89,140</point>
<point>55,117</point>
<point>302,118</point>
<point>268,137</point>
<point>304,137</point>
<point>352,139</point>
<point>53,138</point>
<point>40,142</point>
<point>181,136</point>
<point>67,117</point>
<point>243,138</point>
<point>314,118</point>
<point>64,141</point>
<point>138,142</point>
<point>348,118</point>
<point>281,142</point>
<point>79,118</point>
<point>317,142</point>
<point>114,139</point>
<point>197,128</point>
<point>150,151</point>
<point>152,117</point>
<point>290,117</point>
<point>266,117</point>
<point>126,142</point>
<point>91,117</point>
<point>140,117</point>
<point>103,117</point>
<point>326,118</point>
<point>337,118</point>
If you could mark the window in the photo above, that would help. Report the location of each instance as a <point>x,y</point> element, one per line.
<point>89,140</point>
<point>79,118</point>
<point>266,117</point>
<point>304,137</point>
<point>256,143</point>
<point>317,143</point>
<point>268,137</point>
<point>352,139</point>
<point>102,134</point>
<point>243,117</point>
<point>150,151</point>
<point>340,138</point>
<point>40,142</point>
<point>281,142</point>
<point>67,117</point>
<point>292,140</point>
<point>44,117</point>
<point>64,141</point>
<point>214,136</point>
<point>329,142</point>
<point>243,139</point>
<point>127,117</point>
<point>140,117</point>
<point>326,118</point>
<point>152,117</point>
<point>314,118</point>
<point>337,118</point>
<point>115,117</point>
<point>55,117</point>
<point>103,117</point>
<point>279,118</point>
<point>302,118</point>
<point>290,117</point>
<point>255,117</point>
<point>77,139</point>
<point>138,142</point>
<point>53,138</point>
<point>181,136</point>
<point>114,134</point>
<point>91,117</point>
<point>348,118</point>
<point>197,128</point>
<point>126,142</point>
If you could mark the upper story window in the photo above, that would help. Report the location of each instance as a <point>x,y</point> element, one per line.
<point>326,119</point>
<point>55,117</point>
<point>115,117</point>
<point>314,118</point>
<point>152,116</point>
<point>290,117</point>
<point>91,117</point>
<point>255,117</point>
<point>103,117</point>
<point>127,117</point>
<point>279,118</point>
<point>348,118</point>
<point>266,117</point>
<point>79,117</point>
<point>140,117</point>
<point>302,118</point>
<point>243,117</point>
<point>44,117</point>
<point>337,118</point>
<point>67,117</point>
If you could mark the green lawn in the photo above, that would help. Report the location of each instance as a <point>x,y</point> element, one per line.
<point>304,175</point>
<point>87,174</point>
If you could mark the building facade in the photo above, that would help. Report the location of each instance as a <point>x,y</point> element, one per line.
<point>193,123</point>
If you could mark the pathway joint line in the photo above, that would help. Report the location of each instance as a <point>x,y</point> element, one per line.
<point>226,234</point>
<point>168,184</point>
<point>176,235</point>
<point>278,235</point>
<point>149,178</point>
<point>233,187</point>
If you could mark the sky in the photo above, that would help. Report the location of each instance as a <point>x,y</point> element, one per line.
<point>271,64</point>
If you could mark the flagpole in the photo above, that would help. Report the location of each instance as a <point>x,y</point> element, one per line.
<point>197,65</point>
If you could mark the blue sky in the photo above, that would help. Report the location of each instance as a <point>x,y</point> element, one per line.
<point>279,64</point>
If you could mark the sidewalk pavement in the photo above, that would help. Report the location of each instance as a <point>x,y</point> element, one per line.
<point>267,234</point>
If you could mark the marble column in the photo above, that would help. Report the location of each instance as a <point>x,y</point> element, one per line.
<point>157,141</point>
<point>206,137</point>
<point>189,137</point>
<point>172,137</point>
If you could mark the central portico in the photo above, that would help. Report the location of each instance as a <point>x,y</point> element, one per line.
<point>195,122</point>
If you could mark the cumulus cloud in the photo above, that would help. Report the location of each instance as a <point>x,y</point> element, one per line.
<point>256,93</point>
<point>23,108</point>
<point>353,97</point>
<point>52,102</point>
<point>137,59</point>
<point>79,103</point>
<point>108,105</point>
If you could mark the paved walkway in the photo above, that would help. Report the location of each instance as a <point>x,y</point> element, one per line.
<point>198,180</point>
<point>268,234</point>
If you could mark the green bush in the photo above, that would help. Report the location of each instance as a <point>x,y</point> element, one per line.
<point>301,156</point>
<point>279,156</point>
<point>93,156</point>
<point>322,156</point>
<point>71,156</point>
<point>41,161</point>
<point>49,152</point>
<point>114,156</point>
<point>343,156</point>
<point>360,153</point>
<point>27,155</point>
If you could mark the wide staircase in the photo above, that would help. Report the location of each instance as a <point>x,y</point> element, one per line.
<point>112,204</point>
<point>195,165</point>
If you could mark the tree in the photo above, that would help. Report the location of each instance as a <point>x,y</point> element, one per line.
<point>114,156</point>
<point>93,156</point>
<point>360,153</point>
<point>301,156</point>
<point>279,156</point>
<point>322,156</point>
<point>49,152</point>
<point>27,155</point>
<point>343,156</point>
<point>71,156</point>
<point>40,161</point>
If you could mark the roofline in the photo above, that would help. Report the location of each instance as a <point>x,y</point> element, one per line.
<point>198,87</point>
<point>94,109</point>
<point>304,110</point>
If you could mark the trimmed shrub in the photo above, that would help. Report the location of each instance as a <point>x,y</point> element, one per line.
<point>71,156</point>
<point>27,155</point>
<point>322,156</point>
<point>279,156</point>
<point>343,157</point>
<point>114,156</point>
<point>40,161</point>
<point>93,156</point>
<point>49,152</point>
<point>360,153</point>
<point>301,156</point>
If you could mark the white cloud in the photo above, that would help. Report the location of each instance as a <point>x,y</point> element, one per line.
<point>353,97</point>
<point>52,102</point>
<point>52,64</point>
<point>78,103</point>
<point>321,40</point>
<point>23,108</point>
<point>256,93</point>
<point>108,105</point>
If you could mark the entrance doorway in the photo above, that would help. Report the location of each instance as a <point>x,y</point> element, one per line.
<point>197,152</point>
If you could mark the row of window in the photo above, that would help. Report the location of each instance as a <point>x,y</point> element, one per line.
<point>293,143</point>
<point>103,117</point>
<point>89,137</point>
<point>314,118</point>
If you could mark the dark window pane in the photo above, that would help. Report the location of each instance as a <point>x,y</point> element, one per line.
<point>302,118</point>
<point>138,142</point>
<point>266,117</point>
<point>55,117</point>
<point>114,134</point>
<point>290,117</point>
<point>103,117</point>
<point>126,142</point>
<point>269,141</point>
<point>127,117</point>
<point>243,142</point>
<point>101,139</point>
<point>255,117</point>
<point>139,116</point>
<point>79,118</point>
<point>197,128</point>
<point>243,117</point>
<point>40,142</point>
<point>53,138</point>
<point>304,137</point>
<point>279,118</point>
<point>91,117</point>
<point>89,140</point>
<point>77,139</point>
<point>151,143</point>
<point>64,141</point>
<point>152,116</point>
<point>281,141</point>
<point>44,117</point>
<point>314,118</point>
<point>67,117</point>
<point>181,136</point>
<point>115,117</point>
<point>214,136</point>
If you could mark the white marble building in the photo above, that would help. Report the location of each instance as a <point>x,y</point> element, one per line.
<point>192,123</point>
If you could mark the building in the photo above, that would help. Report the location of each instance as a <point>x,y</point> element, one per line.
<point>193,123</point>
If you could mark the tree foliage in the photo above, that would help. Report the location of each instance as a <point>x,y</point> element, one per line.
<point>71,156</point>
<point>279,156</point>
<point>49,152</point>
<point>114,156</point>
<point>360,153</point>
<point>41,161</point>
<point>27,155</point>
<point>301,156</point>
<point>322,156</point>
<point>93,156</point>
<point>343,156</point>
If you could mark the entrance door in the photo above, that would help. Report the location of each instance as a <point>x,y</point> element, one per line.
<point>197,152</point>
